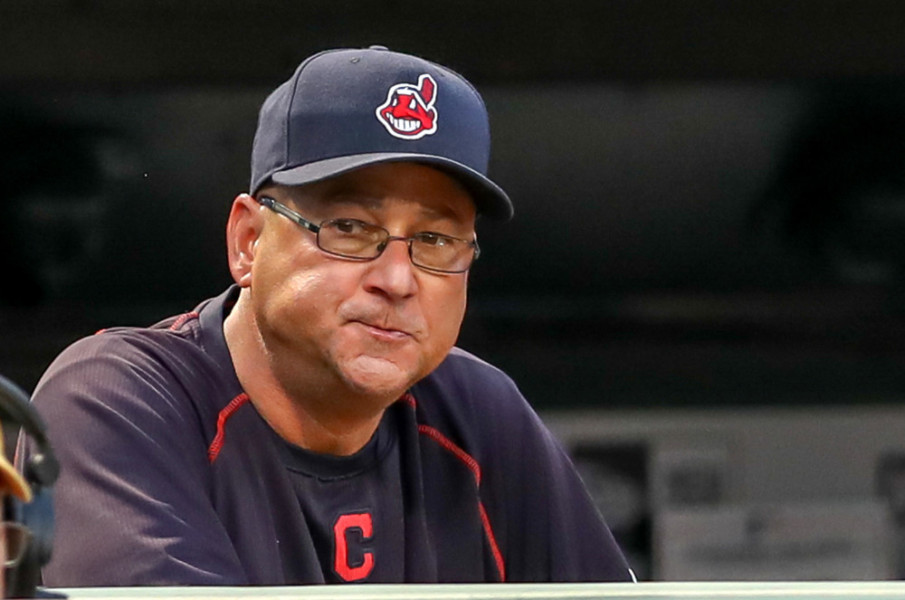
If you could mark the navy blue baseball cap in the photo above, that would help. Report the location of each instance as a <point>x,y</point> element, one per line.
<point>346,109</point>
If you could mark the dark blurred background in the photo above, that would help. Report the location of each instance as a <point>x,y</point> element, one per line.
<point>710,195</point>
<point>703,289</point>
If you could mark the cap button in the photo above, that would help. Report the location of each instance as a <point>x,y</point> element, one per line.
<point>376,47</point>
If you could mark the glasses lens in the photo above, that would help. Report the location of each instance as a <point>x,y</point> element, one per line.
<point>352,238</point>
<point>17,537</point>
<point>442,252</point>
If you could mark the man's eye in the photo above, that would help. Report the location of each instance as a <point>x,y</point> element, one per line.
<point>435,239</point>
<point>349,226</point>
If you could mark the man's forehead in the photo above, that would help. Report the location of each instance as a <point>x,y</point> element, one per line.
<point>436,192</point>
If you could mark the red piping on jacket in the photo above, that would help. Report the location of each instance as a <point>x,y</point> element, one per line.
<point>179,322</point>
<point>434,434</point>
<point>475,469</point>
<point>214,449</point>
<point>181,319</point>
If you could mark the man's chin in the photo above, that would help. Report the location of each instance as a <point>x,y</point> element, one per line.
<point>377,377</point>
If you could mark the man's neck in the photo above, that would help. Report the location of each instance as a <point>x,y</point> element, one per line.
<point>308,429</point>
<point>316,417</point>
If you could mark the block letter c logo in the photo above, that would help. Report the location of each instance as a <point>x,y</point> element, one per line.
<point>362,523</point>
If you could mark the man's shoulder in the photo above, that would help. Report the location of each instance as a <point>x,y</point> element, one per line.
<point>172,360</point>
<point>184,338</point>
<point>480,409</point>
<point>471,388</point>
<point>467,372</point>
<point>173,339</point>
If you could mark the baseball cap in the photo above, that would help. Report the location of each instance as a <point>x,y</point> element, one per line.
<point>349,108</point>
<point>11,480</point>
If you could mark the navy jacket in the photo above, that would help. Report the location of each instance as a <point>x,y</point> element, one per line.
<point>171,477</point>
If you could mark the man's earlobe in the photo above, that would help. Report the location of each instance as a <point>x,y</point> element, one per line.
<point>242,230</point>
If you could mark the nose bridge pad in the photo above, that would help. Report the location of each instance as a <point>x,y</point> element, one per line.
<point>393,238</point>
<point>392,276</point>
<point>383,245</point>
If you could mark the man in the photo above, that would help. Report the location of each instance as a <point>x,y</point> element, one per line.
<point>314,423</point>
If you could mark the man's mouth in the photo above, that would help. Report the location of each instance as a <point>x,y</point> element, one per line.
<point>384,332</point>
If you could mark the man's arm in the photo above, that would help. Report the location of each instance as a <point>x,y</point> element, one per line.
<point>544,520</point>
<point>132,502</point>
<point>557,533</point>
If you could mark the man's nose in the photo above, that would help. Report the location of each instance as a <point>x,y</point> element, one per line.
<point>393,273</point>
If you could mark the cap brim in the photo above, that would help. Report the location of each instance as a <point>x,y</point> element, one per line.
<point>490,199</point>
<point>13,481</point>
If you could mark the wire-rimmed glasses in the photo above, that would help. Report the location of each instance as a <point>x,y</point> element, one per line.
<point>359,240</point>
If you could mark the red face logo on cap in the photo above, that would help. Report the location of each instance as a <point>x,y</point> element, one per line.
<point>409,112</point>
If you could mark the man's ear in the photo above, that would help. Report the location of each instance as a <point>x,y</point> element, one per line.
<point>242,231</point>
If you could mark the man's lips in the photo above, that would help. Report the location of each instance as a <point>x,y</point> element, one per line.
<point>380,331</point>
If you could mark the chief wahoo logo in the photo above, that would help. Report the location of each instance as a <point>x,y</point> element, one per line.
<point>409,112</point>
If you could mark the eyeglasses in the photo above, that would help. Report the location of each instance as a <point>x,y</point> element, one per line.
<point>16,538</point>
<point>358,240</point>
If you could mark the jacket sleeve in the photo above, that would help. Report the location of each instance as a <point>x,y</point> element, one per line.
<point>547,525</point>
<point>133,501</point>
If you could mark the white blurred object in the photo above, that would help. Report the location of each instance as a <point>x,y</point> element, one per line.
<point>775,542</point>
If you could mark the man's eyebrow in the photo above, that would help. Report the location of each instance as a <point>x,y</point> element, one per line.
<point>355,198</point>
<point>436,213</point>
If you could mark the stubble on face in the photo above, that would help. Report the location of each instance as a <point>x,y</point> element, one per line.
<point>374,342</point>
<point>364,347</point>
<point>328,324</point>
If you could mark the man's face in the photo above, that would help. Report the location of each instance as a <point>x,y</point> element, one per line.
<point>374,327</point>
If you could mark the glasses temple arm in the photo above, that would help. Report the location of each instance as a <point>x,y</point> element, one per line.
<point>289,213</point>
